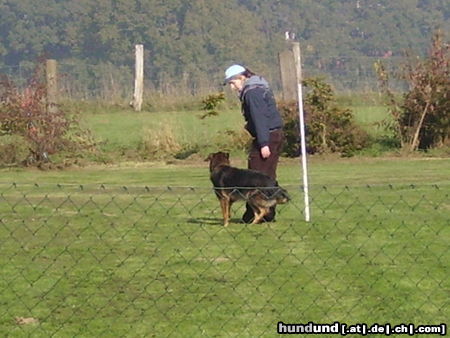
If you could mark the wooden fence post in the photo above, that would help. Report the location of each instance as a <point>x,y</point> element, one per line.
<point>52,85</point>
<point>288,74</point>
<point>139,78</point>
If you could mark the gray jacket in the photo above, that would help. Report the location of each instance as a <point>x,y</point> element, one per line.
<point>259,109</point>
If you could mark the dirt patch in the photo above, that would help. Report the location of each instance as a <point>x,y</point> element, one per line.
<point>26,321</point>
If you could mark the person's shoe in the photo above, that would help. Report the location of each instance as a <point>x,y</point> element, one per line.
<point>248,215</point>
<point>270,217</point>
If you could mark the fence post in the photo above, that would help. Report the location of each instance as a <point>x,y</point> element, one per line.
<point>52,85</point>
<point>139,78</point>
<point>288,74</point>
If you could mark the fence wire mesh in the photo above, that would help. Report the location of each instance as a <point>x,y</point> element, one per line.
<point>91,261</point>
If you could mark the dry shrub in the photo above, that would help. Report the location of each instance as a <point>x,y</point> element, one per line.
<point>421,116</point>
<point>24,114</point>
<point>13,149</point>
<point>159,142</point>
<point>231,140</point>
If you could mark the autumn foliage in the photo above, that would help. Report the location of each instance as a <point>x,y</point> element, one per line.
<point>26,122</point>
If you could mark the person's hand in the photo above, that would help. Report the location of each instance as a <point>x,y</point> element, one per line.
<point>265,152</point>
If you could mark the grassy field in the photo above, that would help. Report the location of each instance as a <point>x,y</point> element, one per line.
<point>112,251</point>
<point>127,129</point>
<point>137,248</point>
<point>126,133</point>
<point>369,116</point>
<point>322,171</point>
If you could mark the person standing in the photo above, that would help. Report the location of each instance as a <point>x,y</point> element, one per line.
<point>263,122</point>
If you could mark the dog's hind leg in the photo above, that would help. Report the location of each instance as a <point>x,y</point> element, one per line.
<point>225,206</point>
<point>260,215</point>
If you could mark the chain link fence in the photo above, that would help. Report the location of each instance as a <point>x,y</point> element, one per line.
<point>129,261</point>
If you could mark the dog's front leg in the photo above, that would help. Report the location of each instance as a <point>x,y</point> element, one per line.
<point>230,202</point>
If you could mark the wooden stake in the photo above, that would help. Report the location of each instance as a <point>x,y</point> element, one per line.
<point>52,85</point>
<point>139,78</point>
<point>288,75</point>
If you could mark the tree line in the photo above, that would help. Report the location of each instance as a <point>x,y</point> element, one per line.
<point>197,39</point>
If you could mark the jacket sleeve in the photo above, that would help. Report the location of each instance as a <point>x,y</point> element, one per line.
<point>259,113</point>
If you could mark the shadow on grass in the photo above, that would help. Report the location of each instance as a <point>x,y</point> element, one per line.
<point>212,221</point>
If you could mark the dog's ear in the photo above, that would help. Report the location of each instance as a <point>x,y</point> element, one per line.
<point>227,155</point>
<point>209,157</point>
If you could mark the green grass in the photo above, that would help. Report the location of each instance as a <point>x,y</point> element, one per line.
<point>322,171</point>
<point>137,249</point>
<point>369,116</point>
<point>126,130</point>
<point>126,260</point>
<point>123,131</point>
<point>368,109</point>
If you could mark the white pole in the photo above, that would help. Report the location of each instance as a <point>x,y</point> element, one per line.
<point>296,51</point>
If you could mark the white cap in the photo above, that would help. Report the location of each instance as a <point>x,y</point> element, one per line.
<point>233,71</point>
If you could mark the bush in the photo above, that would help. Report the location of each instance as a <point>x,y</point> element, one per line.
<point>25,115</point>
<point>233,140</point>
<point>420,116</point>
<point>328,127</point>
<point>159,143</point>
<point>13,150</point>
<point>211,103</point>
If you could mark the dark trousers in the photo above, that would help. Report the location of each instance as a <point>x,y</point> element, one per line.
<point>267,166</point>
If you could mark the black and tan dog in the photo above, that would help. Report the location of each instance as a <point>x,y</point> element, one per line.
<point>233,184</point>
